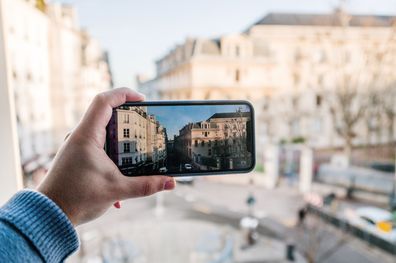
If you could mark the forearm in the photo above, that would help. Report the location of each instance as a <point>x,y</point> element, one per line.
<point>35,228</point>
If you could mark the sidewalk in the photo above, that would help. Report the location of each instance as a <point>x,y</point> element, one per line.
<point>317,187</point>
<point>163,239</point>
<point>238,179</point>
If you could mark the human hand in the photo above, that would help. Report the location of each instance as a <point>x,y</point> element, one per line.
<point>83,180</point>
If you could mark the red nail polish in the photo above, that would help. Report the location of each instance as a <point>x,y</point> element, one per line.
<point>117,204</point>
<point>170,184</point>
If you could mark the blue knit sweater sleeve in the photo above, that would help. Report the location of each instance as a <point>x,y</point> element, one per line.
<point>34,229</point>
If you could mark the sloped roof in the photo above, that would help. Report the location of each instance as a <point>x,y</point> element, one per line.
<point>333,19</point>
<point>229,115</point>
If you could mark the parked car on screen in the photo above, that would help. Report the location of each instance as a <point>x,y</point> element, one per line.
<point>185,179</point>
<point>374,220</point>
<point>163,170</point>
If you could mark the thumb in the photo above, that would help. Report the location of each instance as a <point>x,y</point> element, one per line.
<point>140,186</point>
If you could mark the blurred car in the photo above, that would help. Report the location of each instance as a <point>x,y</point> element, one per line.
<point>187,166</point>
<point>163,170</point>
<point>185,179</point>
<point>374,220</point>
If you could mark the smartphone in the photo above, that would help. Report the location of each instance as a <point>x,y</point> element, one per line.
<point>182,138</point>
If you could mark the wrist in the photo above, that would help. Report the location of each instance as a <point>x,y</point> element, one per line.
<point>43,222</point>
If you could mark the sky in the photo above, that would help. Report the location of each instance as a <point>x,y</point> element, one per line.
<point>137,33</point>
<point>173,118</point>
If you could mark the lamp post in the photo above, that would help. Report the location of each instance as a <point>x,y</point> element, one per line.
<point>10,168</point>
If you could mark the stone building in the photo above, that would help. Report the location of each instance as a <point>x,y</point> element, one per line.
<point>55,69</point>
<point>292,67</point>
<point>136,140</point>
<point>220,142</point>
<point>156,142</point>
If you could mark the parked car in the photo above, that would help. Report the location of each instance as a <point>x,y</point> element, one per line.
<point>375,220</point>
<point>163,170</point>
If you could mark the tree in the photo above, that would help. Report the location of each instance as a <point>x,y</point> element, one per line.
<point>232,143</point>
<point>357,95</point>
<point>388,102</point>
<point>346,110</point>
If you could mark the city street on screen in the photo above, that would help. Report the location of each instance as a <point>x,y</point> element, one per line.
<point>180,139</point>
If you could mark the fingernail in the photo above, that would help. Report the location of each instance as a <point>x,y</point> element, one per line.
<point>142,95</point>
<point>117,204</point>
<point>169,184</point>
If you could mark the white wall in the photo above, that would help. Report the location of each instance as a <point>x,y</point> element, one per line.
<point>10,169</point>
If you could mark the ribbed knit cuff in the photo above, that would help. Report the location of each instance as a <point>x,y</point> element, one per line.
<point>43,223</point>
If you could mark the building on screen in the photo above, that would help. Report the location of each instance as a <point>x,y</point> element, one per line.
<point>136,140</point>
<point>220,142</point>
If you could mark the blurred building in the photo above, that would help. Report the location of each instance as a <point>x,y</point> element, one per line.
<point>291,67</point>
<point>136,139</point>
<point>220,142</point>
<point>56,70</point>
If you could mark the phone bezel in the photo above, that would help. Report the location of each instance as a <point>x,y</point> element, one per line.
<point>195,103</point>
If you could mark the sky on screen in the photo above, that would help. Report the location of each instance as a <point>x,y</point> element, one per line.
<point>173,118</point>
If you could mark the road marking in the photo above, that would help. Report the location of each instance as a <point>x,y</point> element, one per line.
<point>202,208</point>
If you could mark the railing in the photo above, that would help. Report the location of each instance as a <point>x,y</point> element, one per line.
<point>353,230</point>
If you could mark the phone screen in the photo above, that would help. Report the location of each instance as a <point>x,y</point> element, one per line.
<point>182,138</point>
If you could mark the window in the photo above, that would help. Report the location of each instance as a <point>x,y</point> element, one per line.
<point>127,147</point>
<point>196,143</point>
<point>317,125</point>
<point>29,76</point>
<point>126,118</point>
<point>126,160</point>
<point>210,152</point>
<point>126,133</point>
<point>318,100</point>
<point>320,80</point>
<point>237,51</point>
<point>237,77</point>
<point>206,134</point>
<point>202,143</point>
<point>210,143</point>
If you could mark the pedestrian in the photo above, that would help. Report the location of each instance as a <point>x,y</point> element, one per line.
<point>83,182</point>
<point>302,212</point>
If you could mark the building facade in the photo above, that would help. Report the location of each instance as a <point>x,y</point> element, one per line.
<point>136,140</point>
<point>220,142</point>
<point>56,70</point>
<point>296,69</point>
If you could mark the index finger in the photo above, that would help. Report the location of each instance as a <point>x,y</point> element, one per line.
<point>99,112</point>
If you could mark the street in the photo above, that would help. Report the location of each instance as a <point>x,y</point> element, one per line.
<point>221,205</point>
